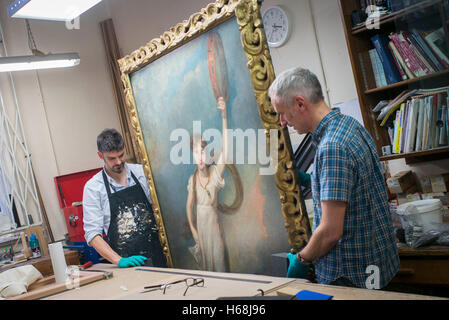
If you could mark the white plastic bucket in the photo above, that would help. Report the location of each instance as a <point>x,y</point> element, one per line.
<point>427,214</point>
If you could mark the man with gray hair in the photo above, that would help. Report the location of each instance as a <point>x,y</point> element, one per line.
<point>117,201</point>
<point>352,226</point>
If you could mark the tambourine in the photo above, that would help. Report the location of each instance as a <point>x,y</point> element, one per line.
<point>218,71</point>
<point>218,74</point>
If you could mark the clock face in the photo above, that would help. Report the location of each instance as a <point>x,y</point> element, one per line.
<point>275,23</point>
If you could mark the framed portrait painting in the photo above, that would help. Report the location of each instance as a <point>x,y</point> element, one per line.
<point>220,168</point>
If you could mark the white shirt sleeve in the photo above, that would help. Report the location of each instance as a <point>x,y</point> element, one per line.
<point>93,215</point>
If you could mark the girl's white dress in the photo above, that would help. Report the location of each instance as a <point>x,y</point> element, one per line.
<point>211,252</point>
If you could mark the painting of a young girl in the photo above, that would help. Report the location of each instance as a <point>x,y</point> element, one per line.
<point>230,219</point>
<point>202,202</point>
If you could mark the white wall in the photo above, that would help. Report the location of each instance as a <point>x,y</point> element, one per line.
<point>64,110</point>
<point>136,22</point>
<point>318,53</point>
<point>316,42</point>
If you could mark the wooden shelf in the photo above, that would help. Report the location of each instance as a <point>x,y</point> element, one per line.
<point>426,15</point>
<point>397,15</point>
<point>433,251</point>
<point>407,82</point>
<point>415,154</point>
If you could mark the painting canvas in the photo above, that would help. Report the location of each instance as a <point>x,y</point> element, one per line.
<point>216,216</point>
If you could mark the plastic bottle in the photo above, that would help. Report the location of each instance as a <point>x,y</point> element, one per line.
<point>34,245</point>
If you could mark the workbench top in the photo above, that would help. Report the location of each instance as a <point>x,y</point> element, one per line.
<point>345,293</point>
<point>127,284</point>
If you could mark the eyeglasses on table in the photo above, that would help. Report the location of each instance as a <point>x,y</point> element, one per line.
<point>190,282</point>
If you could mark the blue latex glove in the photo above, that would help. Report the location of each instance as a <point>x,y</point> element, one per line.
<point>304,179</point>
<point>133,261</point>
<point>296,269</point>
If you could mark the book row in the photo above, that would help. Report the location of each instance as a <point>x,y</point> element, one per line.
<point>420,123</point>
<point>407,55</point>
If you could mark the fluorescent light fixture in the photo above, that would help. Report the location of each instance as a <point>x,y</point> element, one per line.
<point>48,61</point>
<point>58,10</point>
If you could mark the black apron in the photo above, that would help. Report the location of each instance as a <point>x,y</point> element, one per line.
<point>133,229</point>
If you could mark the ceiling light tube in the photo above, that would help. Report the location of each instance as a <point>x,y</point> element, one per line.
<point>49,61</point>
<point>58,10</point>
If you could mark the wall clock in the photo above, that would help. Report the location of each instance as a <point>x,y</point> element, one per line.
<point>276,24</point>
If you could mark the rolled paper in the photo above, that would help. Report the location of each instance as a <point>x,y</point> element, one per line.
<point>58,261</point>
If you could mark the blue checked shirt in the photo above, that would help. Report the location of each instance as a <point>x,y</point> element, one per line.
<point>346,168</point>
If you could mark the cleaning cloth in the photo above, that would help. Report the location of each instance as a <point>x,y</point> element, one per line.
<point>15,281</point>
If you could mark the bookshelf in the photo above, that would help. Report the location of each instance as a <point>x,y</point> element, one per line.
<point>408,83</point>
<point>437,153</point>
<point>412,23</point>
<point>394,16</point>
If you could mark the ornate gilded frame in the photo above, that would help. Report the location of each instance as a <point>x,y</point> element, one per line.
<point>247,13</point>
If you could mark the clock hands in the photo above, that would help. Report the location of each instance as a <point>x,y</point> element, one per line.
<point>275,30</point>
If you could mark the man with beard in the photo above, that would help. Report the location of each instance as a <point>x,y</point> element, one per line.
<point>117,201</point>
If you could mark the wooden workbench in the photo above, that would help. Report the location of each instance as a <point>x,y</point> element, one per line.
<point>426,265</point>
<point>127,284</point>
<point>345,293</point>
<point>423,271</point>
<point>43,264</point>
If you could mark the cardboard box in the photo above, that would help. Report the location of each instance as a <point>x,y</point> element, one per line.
<point>446,180</point>
<point>426,185</point>
<point>438,184</point>
<point>401,182</point>
<point>402,198</point>
<point>413,197</point>
<point>439,195</point>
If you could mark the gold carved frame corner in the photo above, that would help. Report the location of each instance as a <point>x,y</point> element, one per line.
<point>262,75</point>
<point>247,13</point>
